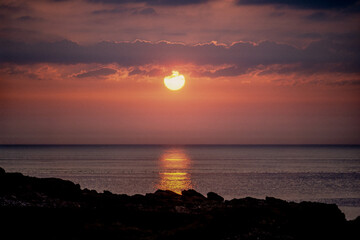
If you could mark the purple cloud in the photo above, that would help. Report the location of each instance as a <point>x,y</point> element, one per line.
<point>323,55</point>
<point>97,73</point>
<point>153,2</point>
<point>303,4</point>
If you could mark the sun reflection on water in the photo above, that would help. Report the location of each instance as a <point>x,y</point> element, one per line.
<point>174,171</point>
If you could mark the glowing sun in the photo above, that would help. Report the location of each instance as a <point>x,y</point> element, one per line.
<point>174,82</point>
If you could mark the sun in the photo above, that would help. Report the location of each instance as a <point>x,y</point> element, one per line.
<point>175,81</point>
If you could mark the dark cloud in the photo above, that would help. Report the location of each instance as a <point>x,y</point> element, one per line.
<point>111,11</point>
<point>318,16</point>
<point>8,10</point>
<point>19,34</point>
<point>224,72</point>
<point>303,4</point>
<point>97,73</point>
<point>310,35</point>
<point>333,82</point>
<point>11,8</point>
<point>241,56</point>
<point>354,82</point>
<point>28,19</point>
<point>18,72</point>
<point>133,11</point>
<point>153,2</point>
<point>327,16</point>
<point>150,73</point>
<point>145,11</point>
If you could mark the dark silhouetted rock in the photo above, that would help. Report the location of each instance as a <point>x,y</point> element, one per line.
<point>107,192</point>
<point>192,195</point>
<point>275,201</point>
<point>215,197</point>
<point>50,208</point>
<point>166,194</point>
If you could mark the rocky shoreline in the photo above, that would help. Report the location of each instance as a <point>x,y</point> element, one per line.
<point>51,208</point>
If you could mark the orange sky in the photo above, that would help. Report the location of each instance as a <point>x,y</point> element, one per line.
<point>276,75</point>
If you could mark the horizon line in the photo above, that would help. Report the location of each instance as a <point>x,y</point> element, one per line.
<point>179,144</point>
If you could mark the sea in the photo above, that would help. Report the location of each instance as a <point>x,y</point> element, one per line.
<point>321,173</point>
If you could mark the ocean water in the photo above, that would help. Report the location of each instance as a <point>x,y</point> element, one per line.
<point>323,173</point>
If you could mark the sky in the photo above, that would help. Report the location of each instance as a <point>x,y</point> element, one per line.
<point>257,71</point>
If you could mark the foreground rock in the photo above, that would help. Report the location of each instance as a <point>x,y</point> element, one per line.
<point>50,208</point>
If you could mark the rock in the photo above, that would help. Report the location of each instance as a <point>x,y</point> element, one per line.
<point>106,192</point>
<point>214,197</point>
<point>191,193</point>
<point>58,188</point>
<point>166,194</point>
<point>37,208</point>
<point>275,201</point>
<point>163,198</point>
<point>138,198</point>
<point>181,209</point>
<point>248,201</point>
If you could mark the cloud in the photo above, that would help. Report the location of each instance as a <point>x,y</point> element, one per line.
<point>134,11</point>
<point>19,34</point>
<point>8,10</point>
<point>28,19</point>
<point>145,11</point>
<point>224,72</point>
<point>150,73</point>
<point>110,11</point>
<point>11,8</point>
<point>303,4</point>
<point>153,2</point>
<point>324,55</point>
<point>318,16</point>
<point>97,73</point>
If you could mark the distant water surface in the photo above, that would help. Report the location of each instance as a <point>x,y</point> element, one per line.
<point>329,174</point>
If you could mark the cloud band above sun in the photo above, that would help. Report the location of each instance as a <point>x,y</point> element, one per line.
<point>241,57</point>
